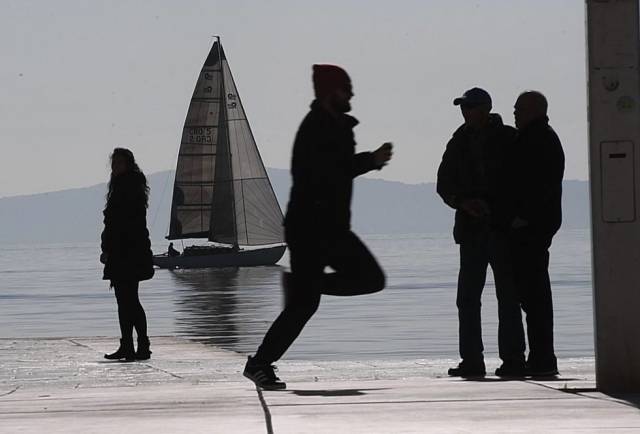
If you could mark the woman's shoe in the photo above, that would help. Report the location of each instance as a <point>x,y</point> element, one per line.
<point>143,352</point>
<point>125,351</point>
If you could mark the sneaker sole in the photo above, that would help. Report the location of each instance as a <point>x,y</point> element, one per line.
<point>542,374</point>
<point>511,375</point>
<point>467,375</point>
<point>255,381</point>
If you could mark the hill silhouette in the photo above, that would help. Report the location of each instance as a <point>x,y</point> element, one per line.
<point>379,207</point>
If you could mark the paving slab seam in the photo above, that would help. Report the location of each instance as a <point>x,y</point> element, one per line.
<point>10,392</point>
<point>265,410</point>
<point>164,371</point>
<point>79,344</point>
<point>87,411</point>
<point>431,401</point>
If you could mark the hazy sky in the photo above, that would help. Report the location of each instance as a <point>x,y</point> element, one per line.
<point>80,77</point>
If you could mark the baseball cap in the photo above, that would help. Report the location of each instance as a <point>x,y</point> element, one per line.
<point>473,97</point>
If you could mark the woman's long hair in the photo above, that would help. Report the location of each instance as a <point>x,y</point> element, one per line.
<point>132,166</point>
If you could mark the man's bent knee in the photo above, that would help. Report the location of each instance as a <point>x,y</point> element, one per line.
<point>376,282</point>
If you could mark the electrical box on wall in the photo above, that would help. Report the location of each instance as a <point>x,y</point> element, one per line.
<point>618,181</point>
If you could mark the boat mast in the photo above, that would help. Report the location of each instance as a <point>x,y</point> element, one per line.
<point>228,142</point>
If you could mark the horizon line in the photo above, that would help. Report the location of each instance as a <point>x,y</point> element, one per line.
<point>18,195</point>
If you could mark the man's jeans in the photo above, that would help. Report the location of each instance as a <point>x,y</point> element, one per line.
<point>488,248</point>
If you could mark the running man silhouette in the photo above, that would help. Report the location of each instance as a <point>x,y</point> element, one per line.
<point>317,223</point>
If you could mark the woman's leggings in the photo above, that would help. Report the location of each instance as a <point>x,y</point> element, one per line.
<point>130,311</point>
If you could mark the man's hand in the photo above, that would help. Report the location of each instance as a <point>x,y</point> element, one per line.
<point>382,155</point>
<point>475,207</point>
<point>519,223</point>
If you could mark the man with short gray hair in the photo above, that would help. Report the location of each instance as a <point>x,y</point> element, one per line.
<point>536,182</point>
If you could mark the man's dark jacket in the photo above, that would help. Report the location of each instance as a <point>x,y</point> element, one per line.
<point>463,175</point>
<point>323,166</point>
<point>125,238</point>
<point>537,171</point>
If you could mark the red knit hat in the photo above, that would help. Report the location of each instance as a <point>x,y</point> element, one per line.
<point>327,78</point>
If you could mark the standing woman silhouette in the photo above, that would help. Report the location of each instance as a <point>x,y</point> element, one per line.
<point>126,250</point>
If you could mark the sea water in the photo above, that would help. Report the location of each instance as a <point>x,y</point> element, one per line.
<point>57,291</point>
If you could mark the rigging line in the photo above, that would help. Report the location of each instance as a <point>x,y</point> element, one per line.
<point>248,145</point>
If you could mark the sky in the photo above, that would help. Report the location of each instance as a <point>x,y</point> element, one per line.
<point>82,77</point>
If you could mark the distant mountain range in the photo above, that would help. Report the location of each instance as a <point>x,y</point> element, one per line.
<point>379,207</point>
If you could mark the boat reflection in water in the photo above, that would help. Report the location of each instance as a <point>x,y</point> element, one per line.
<point>227,307</point>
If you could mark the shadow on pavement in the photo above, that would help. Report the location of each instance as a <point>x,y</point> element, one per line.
<point>630,399</point>
<point>528,379</point>
<point>338,392</point>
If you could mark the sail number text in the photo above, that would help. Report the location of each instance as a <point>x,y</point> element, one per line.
<point>200,135</point>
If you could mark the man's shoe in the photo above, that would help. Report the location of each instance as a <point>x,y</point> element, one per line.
<point>511,369</point>
<point>468,369</point>
<point>541,370</point>
<point>263,375</point>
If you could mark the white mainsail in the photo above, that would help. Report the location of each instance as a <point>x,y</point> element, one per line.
<point>222,191</point>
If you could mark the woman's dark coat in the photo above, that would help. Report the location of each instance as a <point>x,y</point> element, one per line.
<point>125,239</point>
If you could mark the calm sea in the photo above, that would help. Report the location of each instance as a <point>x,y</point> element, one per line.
<point>56,290</point>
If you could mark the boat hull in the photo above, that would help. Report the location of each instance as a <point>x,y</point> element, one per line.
<point>243,258</point>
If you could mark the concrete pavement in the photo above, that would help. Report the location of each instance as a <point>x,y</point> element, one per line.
<point>64,386</point>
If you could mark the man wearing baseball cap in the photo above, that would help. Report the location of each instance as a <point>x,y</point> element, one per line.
<point>469,181</point>
<point>317,223</point>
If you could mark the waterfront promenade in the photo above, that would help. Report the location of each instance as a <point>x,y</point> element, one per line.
<point>65,386</point>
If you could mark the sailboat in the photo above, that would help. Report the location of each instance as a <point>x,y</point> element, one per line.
<point>221,192</point>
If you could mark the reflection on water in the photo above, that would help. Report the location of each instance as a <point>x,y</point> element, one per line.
<point>226,307</point>
<point>206,303</point>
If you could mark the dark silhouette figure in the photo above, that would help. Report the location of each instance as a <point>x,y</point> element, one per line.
<point>469,179</point>
<point>126,250</point>
<point>171,251</point>
<point>536,180</point>
<point>317,223</point>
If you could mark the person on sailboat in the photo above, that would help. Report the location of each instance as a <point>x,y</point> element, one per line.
<point>171,251</point>
<point>126,251</point>
<point>469,181</point>
<point>317,222</point>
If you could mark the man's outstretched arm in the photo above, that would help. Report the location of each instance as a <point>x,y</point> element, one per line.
<point>364,162</point>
